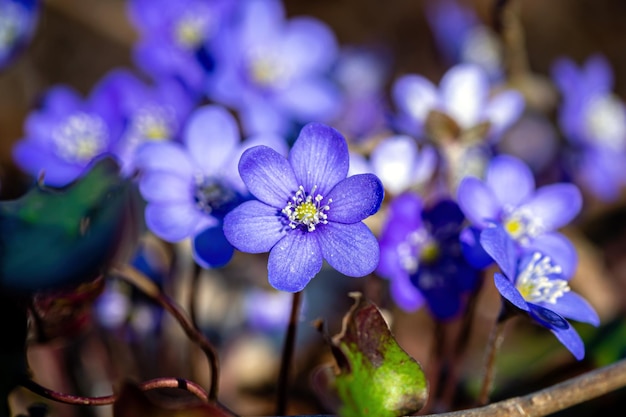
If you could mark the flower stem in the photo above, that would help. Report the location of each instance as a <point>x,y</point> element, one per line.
<point>493,346</point>
<point>460,347</point>
<point>141,282</point>
<point>288,350</point>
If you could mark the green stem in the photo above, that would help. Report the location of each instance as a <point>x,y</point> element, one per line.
<point>288,350</point>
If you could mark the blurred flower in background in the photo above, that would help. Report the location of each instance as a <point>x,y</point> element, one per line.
<point>593,119</point>
<point>178,38</point>
<point>190,188</point>
<point>463,98</point>
<point>398,162</point>
<point>18,19</point>
<point>273,70</point>
<point>65,133</point>
<point>421,256</point>
<point>148,113</point>
<point>463,38</point>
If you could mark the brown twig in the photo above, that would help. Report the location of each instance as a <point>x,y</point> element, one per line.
<point>555,398</point>
<point>157,383</point>
<point>288,350</point>
<point>141,282</point>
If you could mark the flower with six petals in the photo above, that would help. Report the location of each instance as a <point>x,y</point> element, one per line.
<point>306,210</point>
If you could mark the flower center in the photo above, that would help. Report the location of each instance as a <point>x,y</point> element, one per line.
<point>81,137</point>
<point>606,121</point>
<point>305,210</point>
<point>191,30</point>
<point>154,123</point>
<point>536,285</point>
<point>213,196</point>
<point>417,247</point>
<point>522,226</point>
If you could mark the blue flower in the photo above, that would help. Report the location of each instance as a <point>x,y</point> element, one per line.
<point>18,19</point>
<point>271,70</point>
<point>507,197</point>
<point>189,189</point>
<point>421,255</point>
<point>65,134</point>
<point>537,286</point>
<point>463,95</point>
<point>306,210</point>
<point>593,120</point>
<point>149,113</point>
<point>177,37</point>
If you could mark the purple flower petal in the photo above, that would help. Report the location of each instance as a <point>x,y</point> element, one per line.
<point>62,100</point>
<point>294,261</point>
<point>509,292</point>
<point>415,96</point>
<point>478,202</point>
<point>405,294</point>
<point>351,249</point>
<point>230,170</point>
<point>310,99</point>
<point>319,157</point>
<point>559,249</point>
<point>254,227</point>
<point>211,249</point>
<point>164,156</point>
<point>572,306</point>
<point>175,222</point>
<point>211,135</point>
<point>31,158</point>
<point>358,164</point>
<point>473,251</point>
<point>502,111</point>
<point>394,160</point>
<point>554,205</point>
<point>164,187</point>
<point>268,176</point>
<point>498,244</point>
<point>598,74</point>
<point>261,116</point>
<point>464,90</point>
<point>355,198</point>
<point>571,340</point>
<point>309,45</point>
<point>560,327</point>
<point>565,75</point>
<point>510,179</point>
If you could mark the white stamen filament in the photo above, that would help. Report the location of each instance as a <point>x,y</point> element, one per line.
<point>535,283</point>
<point>306,210</point>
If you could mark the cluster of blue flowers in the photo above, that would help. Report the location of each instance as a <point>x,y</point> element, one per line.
<point>454,203</point>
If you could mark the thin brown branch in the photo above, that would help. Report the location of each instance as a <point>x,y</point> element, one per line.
<point>555,398</point>
<point>141,282</point>
<point>157,383</point>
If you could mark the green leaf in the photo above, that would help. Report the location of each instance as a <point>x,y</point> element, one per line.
<point>377,377</point>
<point>52,238</point>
